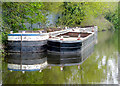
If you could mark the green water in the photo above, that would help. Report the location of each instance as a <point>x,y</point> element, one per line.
<point>100,67</point>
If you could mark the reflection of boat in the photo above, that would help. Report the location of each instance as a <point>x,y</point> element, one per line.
<point>27,42</point>
<point>25,63</point>
<point>69,58</point>
<point>25,55</point>
<point>61,58</point>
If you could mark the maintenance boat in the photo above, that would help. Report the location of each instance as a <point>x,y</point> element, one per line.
<point>26,41</point>
<point>76,39</point>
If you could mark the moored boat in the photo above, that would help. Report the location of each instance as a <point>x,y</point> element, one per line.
<point>27,42</point>
<point>76,39</point>
<point>70,41</point>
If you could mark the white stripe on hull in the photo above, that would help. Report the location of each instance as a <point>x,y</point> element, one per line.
<point>27,38</point>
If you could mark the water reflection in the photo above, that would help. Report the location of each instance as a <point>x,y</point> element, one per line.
<point>112,71</point>
<point>38,61</point>
<point>26,61</point>
<point>100,66</point>
<point>69,58</point>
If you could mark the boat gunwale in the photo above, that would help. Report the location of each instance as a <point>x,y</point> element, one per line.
<point>70,41</point>
<point>27,34</point>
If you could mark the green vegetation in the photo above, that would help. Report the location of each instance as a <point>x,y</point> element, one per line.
<point>15,14</point>
<point>113,18</point>
<point>70,14</point>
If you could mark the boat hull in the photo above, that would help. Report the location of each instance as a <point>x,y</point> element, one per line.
<point>69,46</point>
<point>26,46</point>
<point>26,42</point>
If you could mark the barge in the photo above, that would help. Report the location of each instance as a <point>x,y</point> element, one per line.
<point>27,42</point>
<point>70,41</point>
<point>75,39</point>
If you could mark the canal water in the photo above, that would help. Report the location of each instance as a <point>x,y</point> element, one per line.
<point>101,66</point>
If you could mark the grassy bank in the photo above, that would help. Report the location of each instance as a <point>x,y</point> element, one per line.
<point>101,22</point>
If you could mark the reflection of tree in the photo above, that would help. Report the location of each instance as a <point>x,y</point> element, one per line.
<point>53,76</point>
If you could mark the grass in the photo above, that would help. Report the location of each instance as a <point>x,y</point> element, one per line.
<point>101,22</point>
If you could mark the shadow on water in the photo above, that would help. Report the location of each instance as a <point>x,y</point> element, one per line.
<point>94,65</point>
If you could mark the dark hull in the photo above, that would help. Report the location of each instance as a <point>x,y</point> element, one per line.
<point>58,46</point>
<point>26,46</point>
<point>63,47</point>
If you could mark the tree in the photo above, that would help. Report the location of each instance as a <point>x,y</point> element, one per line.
<point>35,13</point>
<point>75,12</point>
<point>15,14</point>
<point>11,16</point>
<point>113,18</point>
<point>72,14</point>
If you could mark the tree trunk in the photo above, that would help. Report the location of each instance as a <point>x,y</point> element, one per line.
<point>31,25</point>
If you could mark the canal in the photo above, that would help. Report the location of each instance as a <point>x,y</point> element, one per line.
<point>101,67</point>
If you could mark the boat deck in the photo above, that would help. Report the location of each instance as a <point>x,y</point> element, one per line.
<point>71,36</point>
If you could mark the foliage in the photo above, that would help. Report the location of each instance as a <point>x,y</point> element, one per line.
<point>100,21</point>
<point>34,13</point>
<point>4,37</point>
<point>75,13</point>
<point>113,17</point>
<point>56,7</point>
<point>72,14</point>
<point>98,8</point>
<point>16,14</point>
<point>11,20</point>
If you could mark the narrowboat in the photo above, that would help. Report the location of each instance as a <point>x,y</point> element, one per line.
<point>27,42</point>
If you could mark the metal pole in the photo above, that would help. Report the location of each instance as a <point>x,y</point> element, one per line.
<point>21,53</point>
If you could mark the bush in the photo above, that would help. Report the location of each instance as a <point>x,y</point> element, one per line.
<point>4,37</point>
